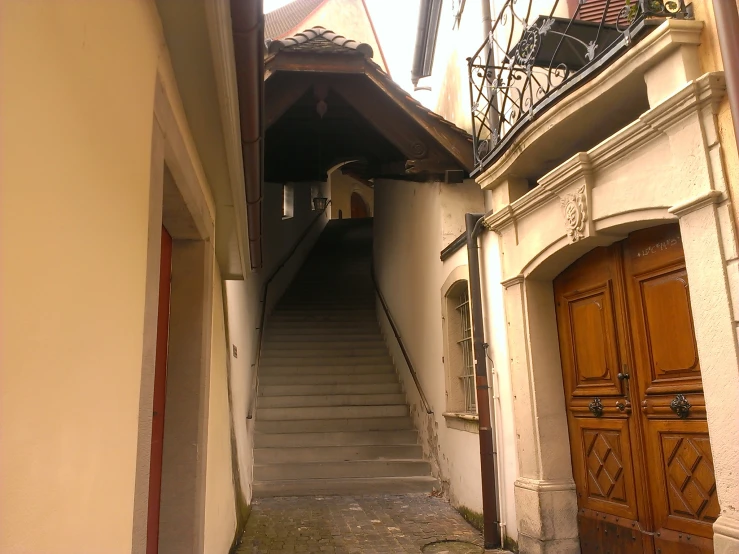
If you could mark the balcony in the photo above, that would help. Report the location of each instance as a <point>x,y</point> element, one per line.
<point>530,62</point>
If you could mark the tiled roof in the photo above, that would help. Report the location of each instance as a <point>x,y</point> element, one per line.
<point>283,20</point>
<point>319,39</point>
<point>340,44</point>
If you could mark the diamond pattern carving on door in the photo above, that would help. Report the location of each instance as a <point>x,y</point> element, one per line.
<point>603,459</point>
<point>690,477</point>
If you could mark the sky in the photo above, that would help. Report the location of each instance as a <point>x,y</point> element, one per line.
<point>395,23</point>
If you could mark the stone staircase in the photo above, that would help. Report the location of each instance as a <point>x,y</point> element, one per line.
<point>331,416</point>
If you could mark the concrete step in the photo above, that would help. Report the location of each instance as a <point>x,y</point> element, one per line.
<point>349,487</point>
<point>334,379</point>
<point>324,327</point>
<point>325,361</point>
<point>315,390</point>
<point>337,453</point>
<point>301,338</point>
<point>320,335</point>
<point>388,438</point>
<point>333,344</point>
<point>334,425</point>
<point>332,412</point>
<point>307,314</point>
<point>337,470</point>
<point>347,351</point>
<point>326,369</point>
<point>303,401</point>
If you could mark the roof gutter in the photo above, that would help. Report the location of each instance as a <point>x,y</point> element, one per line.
<point>247,22</point>
<point>726,14</point>
<point>488,467</point>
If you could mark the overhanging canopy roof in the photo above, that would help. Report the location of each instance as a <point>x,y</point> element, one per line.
<point>326,102</point>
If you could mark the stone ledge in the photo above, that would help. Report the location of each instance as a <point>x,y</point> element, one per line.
<point>463,422</point>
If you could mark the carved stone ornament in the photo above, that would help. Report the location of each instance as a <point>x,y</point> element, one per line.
<point>575,209</point>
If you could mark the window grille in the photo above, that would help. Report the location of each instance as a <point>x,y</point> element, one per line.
<point>465,344</point>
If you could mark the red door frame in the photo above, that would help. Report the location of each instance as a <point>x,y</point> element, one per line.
<point>160,390</point>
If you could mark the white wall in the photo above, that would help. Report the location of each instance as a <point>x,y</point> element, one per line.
<point>243,305</point>
<point>500,378</point>
<point>410,219</point>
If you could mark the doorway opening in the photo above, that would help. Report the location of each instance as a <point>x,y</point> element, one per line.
<point>359,206</point>
<point>640,448</point>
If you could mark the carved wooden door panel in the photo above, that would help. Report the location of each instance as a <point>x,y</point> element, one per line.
<point>641,454</point>
<point>608,473</point>
<point>681,477</point>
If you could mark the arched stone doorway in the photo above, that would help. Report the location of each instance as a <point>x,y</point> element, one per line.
<point>641,455</point>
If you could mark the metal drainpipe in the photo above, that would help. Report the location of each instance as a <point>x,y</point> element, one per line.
<point>726,15</point>
<point>487,27</point>
<point>490,511</point>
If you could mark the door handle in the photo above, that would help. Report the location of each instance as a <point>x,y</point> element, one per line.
<point>624,378</point>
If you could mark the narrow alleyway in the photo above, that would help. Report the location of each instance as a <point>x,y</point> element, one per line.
<point>381,524</point>
<point>338,466</point>
<point>331,415</point>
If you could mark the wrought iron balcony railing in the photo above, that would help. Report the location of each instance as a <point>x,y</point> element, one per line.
<point>530,60</point>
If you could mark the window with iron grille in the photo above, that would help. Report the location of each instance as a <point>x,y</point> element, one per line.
<point>467,374</point>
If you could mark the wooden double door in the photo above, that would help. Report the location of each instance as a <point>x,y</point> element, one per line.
<point>641,455</point>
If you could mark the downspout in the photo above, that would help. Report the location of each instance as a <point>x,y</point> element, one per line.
<point>726,15</point>
<point>247,22</point>
<point>490,508</point>
<point>424,15</point>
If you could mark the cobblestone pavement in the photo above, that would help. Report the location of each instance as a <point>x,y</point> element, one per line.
<point>382,524</point>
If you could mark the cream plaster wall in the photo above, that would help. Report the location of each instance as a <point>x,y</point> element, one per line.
<point>710,57</point>
<point>342,186</point>
<point>348,18</point>
<point>455,201</point>
<point>449,95</point>
<point>76,128</point>
<point>409,223</point>
<point>220,499</point>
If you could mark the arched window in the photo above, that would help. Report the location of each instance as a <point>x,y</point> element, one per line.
<point>459,362</point>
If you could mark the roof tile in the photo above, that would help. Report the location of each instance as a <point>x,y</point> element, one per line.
<point>281,21</point>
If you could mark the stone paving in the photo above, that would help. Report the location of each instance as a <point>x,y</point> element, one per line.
<point>383,524</point>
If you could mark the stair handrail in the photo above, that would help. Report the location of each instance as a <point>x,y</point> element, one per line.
<point>265,290</point>
<point>385,307</point>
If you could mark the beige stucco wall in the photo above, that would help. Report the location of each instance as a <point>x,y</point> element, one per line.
<point>449,95</point>
<point>76,132</point>
<point>348,18</point>
<point>220,500</point>
<point>342,186</point>
<point>710,55</point>
<point>78,108</point>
